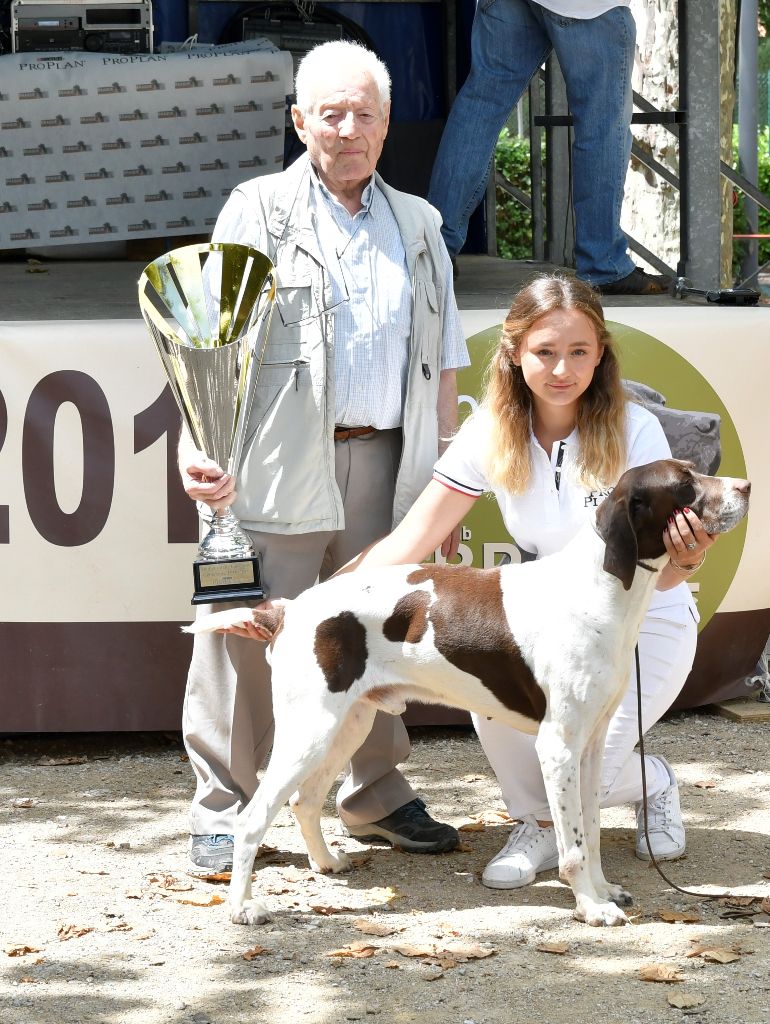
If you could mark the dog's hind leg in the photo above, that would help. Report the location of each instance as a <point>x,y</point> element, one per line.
<point>274,790</point>
<point>298,754</point>
<point>308,801</point>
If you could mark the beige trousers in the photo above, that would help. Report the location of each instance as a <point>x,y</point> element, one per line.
<point>228,720</point>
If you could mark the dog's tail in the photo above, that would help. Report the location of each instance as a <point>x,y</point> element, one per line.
<point>267,620</point>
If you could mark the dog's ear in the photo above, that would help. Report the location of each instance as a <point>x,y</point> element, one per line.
<point>616,528</point>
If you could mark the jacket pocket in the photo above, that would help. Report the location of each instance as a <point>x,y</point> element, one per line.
<point>284,475</point>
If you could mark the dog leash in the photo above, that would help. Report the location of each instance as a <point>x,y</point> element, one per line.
<point>661,872</point>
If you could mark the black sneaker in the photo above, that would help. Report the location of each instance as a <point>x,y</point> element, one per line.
<point>638,282</point>
<point>409,827</point>
<point>210,855</point>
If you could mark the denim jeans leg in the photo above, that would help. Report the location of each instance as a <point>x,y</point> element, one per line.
<point>508,44</point>
<point>596,57</point>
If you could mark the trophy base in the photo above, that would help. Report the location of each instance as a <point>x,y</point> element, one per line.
<point>230,579</point>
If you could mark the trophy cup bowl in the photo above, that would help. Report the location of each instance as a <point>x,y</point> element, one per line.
<point>208,309</point>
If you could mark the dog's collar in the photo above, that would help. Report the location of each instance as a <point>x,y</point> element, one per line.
<point>639,562</point>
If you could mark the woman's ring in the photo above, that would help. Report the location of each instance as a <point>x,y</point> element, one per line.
<point>692,547</point>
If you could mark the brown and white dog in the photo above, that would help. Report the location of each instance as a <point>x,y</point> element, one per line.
<point>544,647</point>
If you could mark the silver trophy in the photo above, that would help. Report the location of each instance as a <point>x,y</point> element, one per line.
<point>208,309</point>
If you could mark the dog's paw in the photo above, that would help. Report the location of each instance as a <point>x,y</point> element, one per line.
<point>599,914</point>
<point>249,912</point>
<point>332,863</point>
<point>616,894</point>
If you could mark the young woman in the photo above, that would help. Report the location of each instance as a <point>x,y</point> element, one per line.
<point>552,436</point>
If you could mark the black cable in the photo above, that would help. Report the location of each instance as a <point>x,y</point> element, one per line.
<point>656,865</point>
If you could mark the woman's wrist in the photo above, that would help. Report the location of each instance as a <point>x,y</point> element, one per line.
<point>688,570</point>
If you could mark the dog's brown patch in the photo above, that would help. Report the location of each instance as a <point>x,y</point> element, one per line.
<point>270,619</point>
<point>409,619</point>
<point>340,648</point>
<point>472,633</point>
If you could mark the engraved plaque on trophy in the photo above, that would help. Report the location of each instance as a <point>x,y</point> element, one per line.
<point>208,309</point>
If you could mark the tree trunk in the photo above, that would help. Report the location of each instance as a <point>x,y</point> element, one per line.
<point>651,206</point>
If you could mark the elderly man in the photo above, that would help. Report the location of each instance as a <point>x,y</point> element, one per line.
<point>355,400</point>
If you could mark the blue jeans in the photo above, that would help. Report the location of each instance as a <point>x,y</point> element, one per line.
<point>509,42</point>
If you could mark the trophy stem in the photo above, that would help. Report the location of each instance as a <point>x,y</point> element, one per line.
<point>225,538</point>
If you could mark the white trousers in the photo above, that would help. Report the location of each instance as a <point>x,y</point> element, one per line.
<point>666,652</point>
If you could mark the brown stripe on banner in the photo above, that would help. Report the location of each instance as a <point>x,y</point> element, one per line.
<point>92,676</point>
<point>729,646</point>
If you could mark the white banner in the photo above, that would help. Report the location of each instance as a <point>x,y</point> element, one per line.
<point>94,525</point>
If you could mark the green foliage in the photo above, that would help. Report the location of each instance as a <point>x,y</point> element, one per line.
<point>739,216</point>
<point>514,222</point>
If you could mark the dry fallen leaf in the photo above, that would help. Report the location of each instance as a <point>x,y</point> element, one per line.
<point>431,973</point>
<point>407,949</point>
<point>660,972</point>
<point>369,927</point>
<point>464,848</point>
<point>392,965</point>
<point>384,894</point>
<point>21,950</point>
<point>23,801</point>
<point>764,906</point>
<point>686,917</point>
<point>327,910</point>
<point>355,951</point>
<point>552,947</point>
<point>48,762</point>
<point>170,882</point>
<point>720,955</point>
<point>685,1001</point>
<point>72,931</point>
<point>705,784</point>
<point>738,901</point>
<point>472,826</point>
<point>254,952</point>
<point>213,902</point>
<point>469,951</point>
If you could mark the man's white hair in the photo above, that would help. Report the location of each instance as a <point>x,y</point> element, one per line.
<point>339,55</point>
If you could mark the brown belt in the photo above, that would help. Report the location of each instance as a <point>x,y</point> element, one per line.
<point>345,433</point>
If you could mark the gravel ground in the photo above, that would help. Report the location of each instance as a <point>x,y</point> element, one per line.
<point>101,924</point>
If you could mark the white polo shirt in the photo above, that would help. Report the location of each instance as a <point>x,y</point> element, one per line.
<point>555,505</point>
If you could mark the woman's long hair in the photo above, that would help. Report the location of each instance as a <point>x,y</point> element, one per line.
<point>508,400</point>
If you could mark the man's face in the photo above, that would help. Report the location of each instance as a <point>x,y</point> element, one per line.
<point>345,130</point>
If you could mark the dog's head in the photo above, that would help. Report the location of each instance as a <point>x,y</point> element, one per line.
<point>631,520</point>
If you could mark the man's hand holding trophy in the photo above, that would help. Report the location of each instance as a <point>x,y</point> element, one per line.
<point>208,309</point>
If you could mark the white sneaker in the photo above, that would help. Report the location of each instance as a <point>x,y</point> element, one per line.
<point>664,820</point>
<point>529,850</point>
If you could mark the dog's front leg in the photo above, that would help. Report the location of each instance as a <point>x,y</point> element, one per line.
<point>613,896</point>
<point>560,761</point>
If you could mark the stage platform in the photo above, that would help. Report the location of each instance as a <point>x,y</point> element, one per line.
<point>73,289</point>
